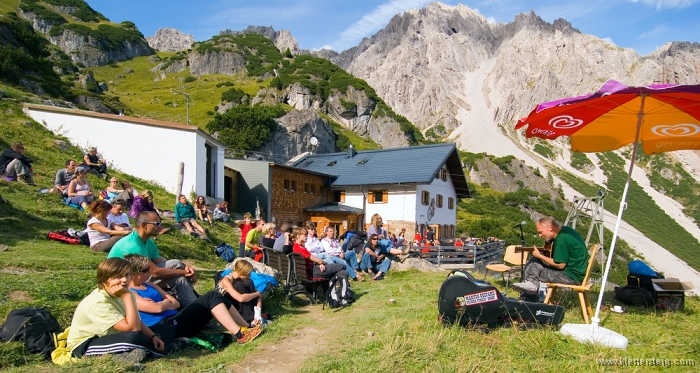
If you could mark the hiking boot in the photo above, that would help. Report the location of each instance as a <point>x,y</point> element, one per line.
<point>526,287</point>
<point>134,356</point>
<point>178,344</point>
<point>27,179</point>
<point>250,334</point>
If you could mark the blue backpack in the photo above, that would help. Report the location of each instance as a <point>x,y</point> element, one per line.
<point>385,244</point>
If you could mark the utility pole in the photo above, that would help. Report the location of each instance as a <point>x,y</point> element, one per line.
<point>187,105</point>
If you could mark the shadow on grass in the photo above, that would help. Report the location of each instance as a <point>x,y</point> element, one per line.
<point>18,225</point>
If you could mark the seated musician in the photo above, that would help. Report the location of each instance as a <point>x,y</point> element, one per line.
<point>569,261</point>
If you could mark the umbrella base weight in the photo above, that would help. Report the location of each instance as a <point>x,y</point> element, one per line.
<point>585,333</point>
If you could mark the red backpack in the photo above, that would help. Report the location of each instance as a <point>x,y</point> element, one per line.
<point>64,237</point>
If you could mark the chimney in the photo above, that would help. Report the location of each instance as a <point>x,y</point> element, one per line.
<point>351,152</point>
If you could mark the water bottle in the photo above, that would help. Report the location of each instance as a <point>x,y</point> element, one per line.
<point>542,292</point>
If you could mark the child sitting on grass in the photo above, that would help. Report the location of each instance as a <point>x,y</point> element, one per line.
<point>237,287</point>
<point>107,320</point>
<point>157,308</point>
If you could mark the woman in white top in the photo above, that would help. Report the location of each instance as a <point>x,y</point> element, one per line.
<point>101,237</point>
<point>79,190</point>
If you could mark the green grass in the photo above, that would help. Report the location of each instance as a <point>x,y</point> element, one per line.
<point>145,96</point>
<point>8,6</point>
<point>683,188</point>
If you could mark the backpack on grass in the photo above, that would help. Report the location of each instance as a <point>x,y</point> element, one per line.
<point>63,236</point>
<point>339,293</point>
<point>634,296</point>
<point>34,326</point>
<point>225,252</point>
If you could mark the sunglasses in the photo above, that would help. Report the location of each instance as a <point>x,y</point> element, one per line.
<point>156,223</point>
<point>375,239</point>
<point>145,270</point>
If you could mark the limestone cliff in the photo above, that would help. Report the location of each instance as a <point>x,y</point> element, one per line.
<point>89,51</point>
<point>170,40</point>
<point>293,133</point>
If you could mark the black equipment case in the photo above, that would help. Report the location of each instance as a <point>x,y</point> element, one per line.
<point>468,301</point>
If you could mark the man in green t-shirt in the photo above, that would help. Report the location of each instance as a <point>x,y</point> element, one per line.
<point>568,264</point>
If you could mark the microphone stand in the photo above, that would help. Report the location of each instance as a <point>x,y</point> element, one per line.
<point>522,255</point>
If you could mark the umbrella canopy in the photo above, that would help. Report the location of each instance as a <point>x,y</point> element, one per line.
<point>608,119</point>
<point>662,117</point>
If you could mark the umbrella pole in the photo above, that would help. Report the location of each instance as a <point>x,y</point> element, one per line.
<point>595,320</point>
<point>594,333</point>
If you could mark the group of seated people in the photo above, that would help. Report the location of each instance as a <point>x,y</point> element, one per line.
<point>146,305</point>
<point>71,182</point>
<point>324,255</point>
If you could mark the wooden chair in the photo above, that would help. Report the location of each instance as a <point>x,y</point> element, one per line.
<point>511,261</point>
<point>582,289</point>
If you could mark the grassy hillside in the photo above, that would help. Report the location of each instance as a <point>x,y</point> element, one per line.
<point>147,95</point>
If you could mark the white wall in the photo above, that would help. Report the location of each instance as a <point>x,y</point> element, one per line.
<point>146,151</point>
<point>443,215</point>
<point>401,205</point>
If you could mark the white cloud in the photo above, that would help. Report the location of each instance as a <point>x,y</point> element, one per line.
<point>667,4</point>
<point>655,31</point>
<point>491,20</point>
<point>373,22</point>
<point>608,40</point>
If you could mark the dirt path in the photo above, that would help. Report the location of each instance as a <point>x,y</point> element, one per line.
<point>288,354</point>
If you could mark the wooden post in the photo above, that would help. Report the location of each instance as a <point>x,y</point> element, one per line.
<point>180,177</point>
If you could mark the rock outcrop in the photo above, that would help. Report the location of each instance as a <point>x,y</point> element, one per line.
<point>292,135</point>
<point>86,50</point>
<point>223,62</point>
<point>282,39</point>
<point>170,40</point>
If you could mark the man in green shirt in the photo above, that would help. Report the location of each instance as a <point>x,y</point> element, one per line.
<point>568,264</point>
<point>170,274</point>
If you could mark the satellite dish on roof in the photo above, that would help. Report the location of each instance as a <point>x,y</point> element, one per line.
<point>313,140</point>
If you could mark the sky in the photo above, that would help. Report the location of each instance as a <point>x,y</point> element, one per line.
<point>642,25</point>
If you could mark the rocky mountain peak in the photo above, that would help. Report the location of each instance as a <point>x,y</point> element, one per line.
<point>170,40</point>
<point>282,39</point>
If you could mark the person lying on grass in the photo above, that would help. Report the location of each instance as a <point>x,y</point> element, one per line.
<point>107,320</point>
<point>156,307</point>
<point>236,286</point>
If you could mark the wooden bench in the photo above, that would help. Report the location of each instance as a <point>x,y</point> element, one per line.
<point>295,279</point>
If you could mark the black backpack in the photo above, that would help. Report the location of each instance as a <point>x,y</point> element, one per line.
<point>339,293</point>
<point>634,296</point>
<point>33,325</point>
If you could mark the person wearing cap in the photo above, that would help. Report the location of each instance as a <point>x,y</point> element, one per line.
<point>79,189</point>
<point>95,164</point>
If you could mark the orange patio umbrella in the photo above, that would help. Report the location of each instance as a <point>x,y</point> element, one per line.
<point>662,117</point>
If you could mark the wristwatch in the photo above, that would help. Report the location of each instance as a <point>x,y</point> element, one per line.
<point>155,335</point>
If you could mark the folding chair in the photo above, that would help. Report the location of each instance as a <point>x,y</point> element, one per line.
<point>511,261</point>
<point>582,289</point>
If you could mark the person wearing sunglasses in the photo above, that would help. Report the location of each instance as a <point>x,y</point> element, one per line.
<point>172,274</point>
<point>375,260</point>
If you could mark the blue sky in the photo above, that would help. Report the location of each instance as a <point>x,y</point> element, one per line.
<point>642,25</point>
